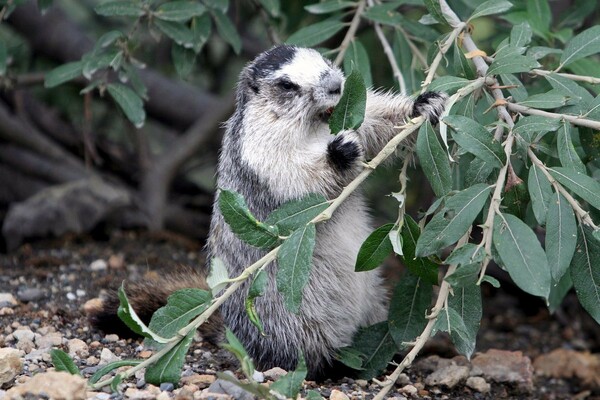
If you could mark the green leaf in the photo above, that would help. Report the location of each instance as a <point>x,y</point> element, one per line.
<point>594,108</point>
<point>522,255</point>
<point>3,58</point>
<point>558,291</point>
<point>237,349</point>
<point>63,362</point>
<point>561,236</point>
<point>178,32</point>
<point>327,7</point>
<point>545,101</point>
<point>448,84</point>
<point>466,301</point>
<point>129,101</point>
<point>110,367</point>
<point>539,52</point>
<point>63,73</point>
<point>384,14</point>
<point>313,395</point>
<point>465,275</point>
<point>257,289</point>
<point>290,384</point>
<point>295,262</point>
<point>540,191</point>
<point>533,128</point>
<point>585,187</point>
<point>435,10</point>
<point>201,29</point>
<point>568,87</point>
<point>357,57</point>
<point>408,307</point>
<point>468,253</point>
<point>244,224</point>
<point>450,321</point>
<point>129,317</point>
<point>433,160</point>
<point>218,276</point>
<point>520,35</point>
<point>490,7</point>
<point>510,63</point>
<point>350,357</point>
<point>374,249</point>
<point>221,5</point>
<point>349,113</point>
<point>584,44</point>
<point>462,66</point>
<point>168,368</point>
<point>474,138</point>
<point>272,6</point>
<point>539,16</point>
<point>44,5</point>
<point>120,8</point>
<point>446,227</point>
<point>478,172</point>
<point>183,59</point>
<point>114,385</point>
<point>179,10</point>
<point>566,151</point>
<point>585,272</point>
<point>377,346</point>
<point>519,93</point>
<point>418,266</point>
<point>227,31</point>
<point>182,306</point>
<point>314,34</point>
<point>296,213</point>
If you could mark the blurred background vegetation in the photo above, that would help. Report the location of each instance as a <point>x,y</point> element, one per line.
<point>111,112</point>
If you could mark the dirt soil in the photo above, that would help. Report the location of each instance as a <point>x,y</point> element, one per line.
<point>53,279</point>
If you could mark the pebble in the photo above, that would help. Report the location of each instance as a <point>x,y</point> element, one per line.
<point>10,364</point>
<point>167,387</point>
<point>274,373</point>
<point>51,384</point>
<point>6,311</point>
<point>26,345</point>
<point>448,376</point>
<point>116,261</point>
<point>71,296</point>
<point>150,393</point>
<point>202,381</point>
<point>409,390</point>
<point>31,294</point>
<point>225,387</point>
<point>80,293</point>
<point>49,340</point>
<point>504,367</point>
<point>23,334</point>
<point>107,356</point>
<point>77,347</point>
<point>479,384</point>
<point>337,395</point>
<point>145,354</point>
<point>567,363</point>
<point>163,396</point>
<point>111,338</point>
<point>258,376</point>
<point>402,380</point>
<point>7,300</point>
<point>362,383</point>
<point>98,265</point>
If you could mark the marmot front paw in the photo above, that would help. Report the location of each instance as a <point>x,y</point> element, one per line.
<point>344,150</point>
<point>430,105</point>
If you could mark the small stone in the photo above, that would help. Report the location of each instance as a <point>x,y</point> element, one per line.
<point>202,381</point>
<point>163,396</point>
<point>167,387</point>
<point>258,376</point>
<point>107,356</point>
<point>362,383</point>
<point>71,296</point>
<point>30,294</point>
<point>21,334</point>
<point>77,347</point>
<point>337,395</point>
<point>98,265</point>
<point>479,384</point>
<point>91,360</point>
<point>80,293</point>
<point>409,390</point>
<point>6,311</point>
<point>7,300</point>
<point>403,380</point>
<point>150,393</point>
<point>448,376</point>
<point>10,364</point>
<point>145,354</point>
<point>111,338</point>
<point>51,384</point>
<point>26,345</point>
<point>99,396</point>
<point>116,261</point>
<point>49,340</point>
<point>504,367</point>
<point>92,305</point>
<point>274,373</point>
<point>565,363</point>
<point>225,387</point>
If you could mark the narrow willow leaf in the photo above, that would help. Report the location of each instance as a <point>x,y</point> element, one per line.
<point>377,347</point>
<point>510,63</point>
<point>478,172</point>
<point>448,84</point>
<point>244,224</point>
<point>234,346</point>
<point>408,307</point>
<point>384,14</point>
<point>179,10</point>
<point>218,277</point>
<point>558,291</point>
<point>182,306</point>
<point>585,272</point>
<point>316,33</point>
<point>273,7</point>
<point>466,301</point>
<point>584,44</point>
<point>114,385</point>
<point>129,317</point>
<point>350,357</point>
<point>545,101</point>
<point>374,249</point>
<point>349,113</point>
<point>435,10</point>
<point>183,60</point>
<point>465,275</point>
<point>540,191</point>
<point>178,32</point>
<point>516,200</point>
<point>533,128</point>
<point>419,266</point>
<point>257,288</point>
<point>3,59</point>
<point>468,253</point>
<point>539,16</point>
<point>168,368</point>
<point>62,74</point>
<point>518,92</point>
<point>522,255</point>
<point>561,236</point>
<point>594,109</point>
<point>357,57</point>
<point>248,385</point>
<point>568,87</point>
<point>490,7</point>
<point>520,35</point>
<point>110,367</point>
<point>201,29</point>
<point>433,160</point>
<point>129,101</point>
<point>446,227</point>
<point>450,321</point>
<point>330,6</point>
<point>474,138</point>
<point>584,186</point>
<point>227,30</point>
<point>296,213</point>
<point>295,261</point>
<point>290,384</point>
<point>121,8</point>
<point>566,151</point>
<point>462,66</point>
<point>221,5</point>
<point>63,362</point>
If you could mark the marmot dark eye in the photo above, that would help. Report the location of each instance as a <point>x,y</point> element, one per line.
<point>287,85</point>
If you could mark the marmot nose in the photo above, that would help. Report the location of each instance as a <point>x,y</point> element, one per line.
<point>335,89</point>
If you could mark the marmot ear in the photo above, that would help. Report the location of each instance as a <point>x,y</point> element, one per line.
<point>247,85</point>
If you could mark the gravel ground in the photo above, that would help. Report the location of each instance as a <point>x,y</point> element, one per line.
<point>523,353</point>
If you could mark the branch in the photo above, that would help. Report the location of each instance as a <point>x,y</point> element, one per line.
<point>440,55</point>
<point>573,77</point>
<point>575,120</point>
<point>350,33</point>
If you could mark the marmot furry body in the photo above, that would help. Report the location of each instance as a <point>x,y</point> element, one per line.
<point>278,147</point>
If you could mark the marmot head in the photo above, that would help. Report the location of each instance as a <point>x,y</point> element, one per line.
<point>291,82</point>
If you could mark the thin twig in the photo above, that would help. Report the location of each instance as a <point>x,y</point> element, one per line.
<point>573,77</point>
<point>575,120</point>
<point>440,55</point>
<point>351,32</point>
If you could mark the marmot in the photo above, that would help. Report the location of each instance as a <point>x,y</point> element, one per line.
<point>278,147</point>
